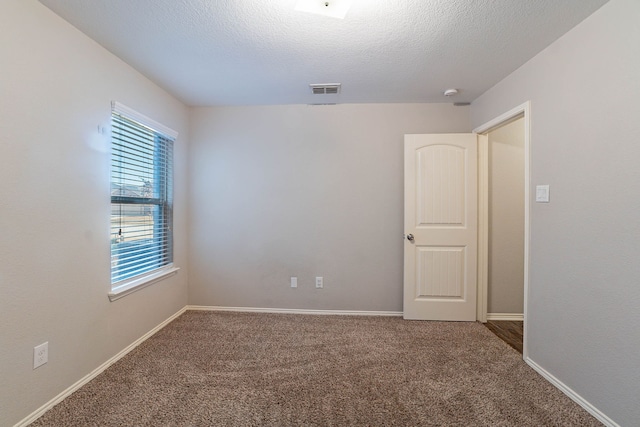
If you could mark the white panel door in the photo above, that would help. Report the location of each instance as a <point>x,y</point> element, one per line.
<point>440,225</point>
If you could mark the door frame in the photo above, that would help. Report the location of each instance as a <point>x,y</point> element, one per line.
<point>524,111</point>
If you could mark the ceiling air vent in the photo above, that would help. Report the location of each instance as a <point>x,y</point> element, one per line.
<point>325,88</point>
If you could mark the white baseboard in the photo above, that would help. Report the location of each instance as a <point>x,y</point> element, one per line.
<point>518,317</point>
<point>295,311</point>
<point>60,397</point>
<point>572,394</point>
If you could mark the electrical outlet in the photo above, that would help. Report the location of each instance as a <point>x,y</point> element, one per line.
<point>294,282</point>
<point>40,354</point>
<point>319,283</point>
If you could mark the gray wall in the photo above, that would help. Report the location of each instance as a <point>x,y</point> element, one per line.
<point>506,219</point>
<point>304,191</point>
<point>584,316</point>
<point>56,86</point>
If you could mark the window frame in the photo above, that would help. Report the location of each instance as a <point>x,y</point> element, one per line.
<point>164,201</point>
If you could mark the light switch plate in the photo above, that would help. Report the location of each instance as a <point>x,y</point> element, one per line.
<point>542,193</point>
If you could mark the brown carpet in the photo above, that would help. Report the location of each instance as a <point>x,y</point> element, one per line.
<point>242,369</point>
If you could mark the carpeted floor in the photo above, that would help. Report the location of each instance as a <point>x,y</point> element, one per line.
<point>245,369</point>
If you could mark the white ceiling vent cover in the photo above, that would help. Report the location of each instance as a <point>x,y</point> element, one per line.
<point>325,88</point>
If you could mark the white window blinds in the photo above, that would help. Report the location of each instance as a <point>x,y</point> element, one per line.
<point>141,195</point>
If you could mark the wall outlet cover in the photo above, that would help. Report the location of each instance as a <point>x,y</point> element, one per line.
<point>40,354</point>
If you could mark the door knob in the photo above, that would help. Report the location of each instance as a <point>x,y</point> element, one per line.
<point>410,237</point>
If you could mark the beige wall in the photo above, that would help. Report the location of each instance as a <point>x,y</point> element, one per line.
<point>584,298</point>
<point>56,86</point>
<point>506,219</point>
<point>304,191</point>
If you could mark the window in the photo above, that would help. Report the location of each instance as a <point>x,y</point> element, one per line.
<point>141,199</point>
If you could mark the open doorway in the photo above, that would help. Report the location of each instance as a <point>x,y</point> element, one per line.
<point>503,243</point>
<point>505,281</point>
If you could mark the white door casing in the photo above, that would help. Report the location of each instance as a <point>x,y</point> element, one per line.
<point>441,217</point>
<point>523,110</point>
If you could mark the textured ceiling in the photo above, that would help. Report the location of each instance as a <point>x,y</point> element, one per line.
<point>244,52</point>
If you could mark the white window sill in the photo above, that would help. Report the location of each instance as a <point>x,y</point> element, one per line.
<point>130,286</point>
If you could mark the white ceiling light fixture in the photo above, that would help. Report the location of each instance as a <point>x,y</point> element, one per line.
<point>332,8</point>
<point>450,92</point>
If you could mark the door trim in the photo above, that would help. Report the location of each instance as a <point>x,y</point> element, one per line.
<point>483,227</point>
<point>524,111</point>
